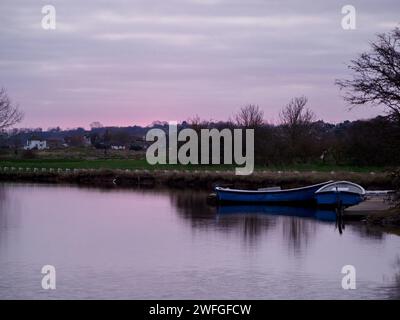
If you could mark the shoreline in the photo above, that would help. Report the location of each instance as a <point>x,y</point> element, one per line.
<point>197,179</point>
<point>205,181</point>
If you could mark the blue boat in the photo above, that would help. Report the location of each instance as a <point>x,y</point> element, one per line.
<point>269,195</point>
<point>340,194</point>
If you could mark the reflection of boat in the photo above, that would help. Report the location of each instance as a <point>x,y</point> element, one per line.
<point>325,215</point>
<point>340,193</point>
<point>311,212</point>
<point>274,195</point>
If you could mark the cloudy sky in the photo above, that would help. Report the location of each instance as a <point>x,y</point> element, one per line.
<point>132,62</point>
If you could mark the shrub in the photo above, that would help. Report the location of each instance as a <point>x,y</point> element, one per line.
<point>28,154</point>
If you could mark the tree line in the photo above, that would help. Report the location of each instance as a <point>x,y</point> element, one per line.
<point>299,138</point>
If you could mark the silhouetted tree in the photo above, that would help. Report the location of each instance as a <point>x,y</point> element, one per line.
<point>296,126</point>
<point>75,141</point>
<point>250,116</point>
<point>96,125</point>
<point>9,113</point>
<point>120,137</point>
<point>196,124</point>
<point>106,141</point>
<point>295,115</point>
<point>376,75</point>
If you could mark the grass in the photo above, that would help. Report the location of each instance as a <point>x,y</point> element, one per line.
<point>90,158</point>
<point>290,176</point>
<point>102,164</point>
<point>320,167</point>
<point>142,164</point>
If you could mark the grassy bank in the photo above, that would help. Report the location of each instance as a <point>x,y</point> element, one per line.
<point>127,167</point>
<point>91,158</point>
<point>141,164</point>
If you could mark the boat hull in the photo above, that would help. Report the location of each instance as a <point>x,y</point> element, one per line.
<point>297,195</point>
<point>346,199</point>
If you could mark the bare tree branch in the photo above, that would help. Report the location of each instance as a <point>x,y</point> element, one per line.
<point>9,113</point>
<point>295,114</point>
<point>376,75</point>
<point>250,116</point>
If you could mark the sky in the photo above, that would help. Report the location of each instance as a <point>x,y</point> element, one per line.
<point>133,62</point>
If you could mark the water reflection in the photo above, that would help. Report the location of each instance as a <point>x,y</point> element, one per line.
<point>368,232</point>
<point>193,207</point>
<point>7,220</point>
<point>299,226</point>
<point>395,292</point>
<point>250,220</point>
<point>298,233</point>
<point>172,244</point>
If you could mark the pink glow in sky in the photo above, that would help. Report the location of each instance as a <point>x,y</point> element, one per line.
<point>125,63</point>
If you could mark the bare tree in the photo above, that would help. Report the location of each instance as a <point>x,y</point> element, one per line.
<point>295,114</point>
<point>96,125</point>
<point>250,116</point>
<point>195,123</point>
<point>297,123</point>
<point>9,113</point>
<point>376,78</point>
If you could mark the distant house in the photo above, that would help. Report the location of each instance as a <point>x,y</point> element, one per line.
<point>36,145</point>
<point>117,147</point>
<point>86,141</point>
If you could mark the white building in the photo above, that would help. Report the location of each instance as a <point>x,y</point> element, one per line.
<point>114,147</point>
<point>36,144</point>
<point>86,141</point>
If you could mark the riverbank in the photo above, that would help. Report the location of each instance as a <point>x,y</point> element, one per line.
<point>121,160</point>
<point>197,179</point>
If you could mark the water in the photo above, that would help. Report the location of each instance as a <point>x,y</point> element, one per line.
<point>148,244</point>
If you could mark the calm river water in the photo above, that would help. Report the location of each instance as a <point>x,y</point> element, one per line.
<point>148,244</point>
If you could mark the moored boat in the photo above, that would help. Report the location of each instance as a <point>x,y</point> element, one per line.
<point>340,194</point>
<point>269,195</point>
